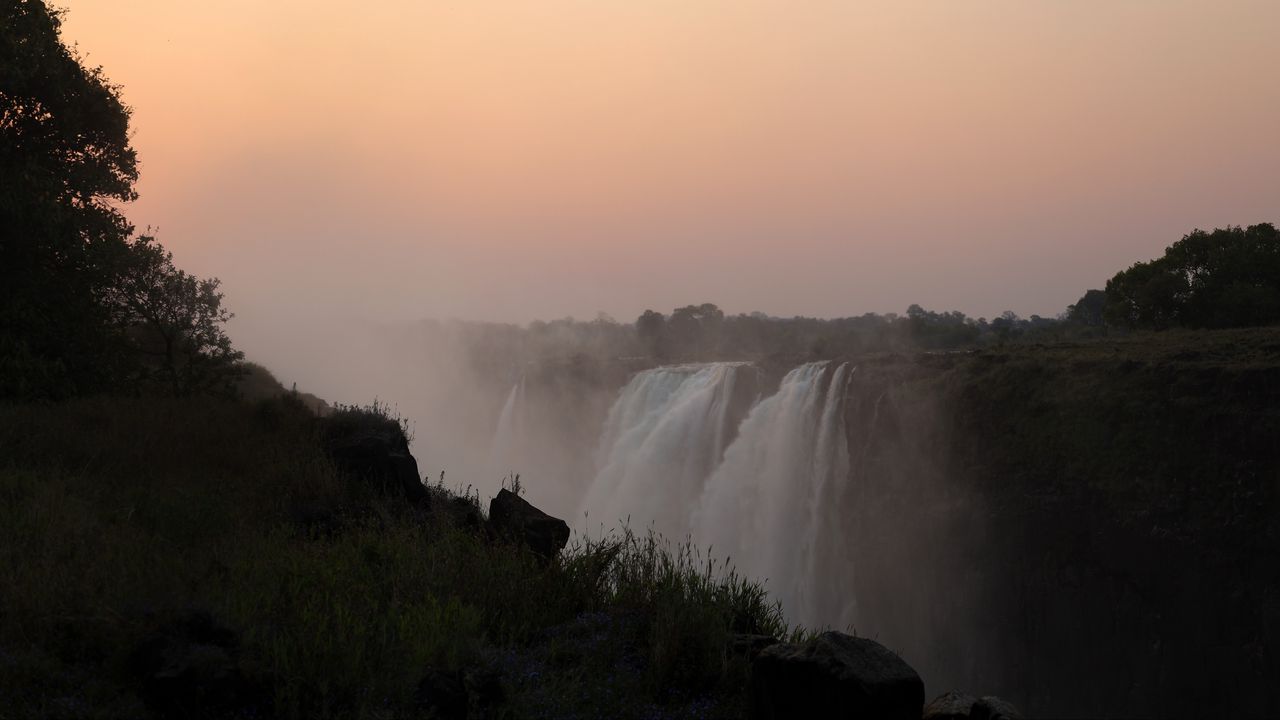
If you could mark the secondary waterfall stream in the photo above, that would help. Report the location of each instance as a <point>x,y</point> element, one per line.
<point>508,439</point>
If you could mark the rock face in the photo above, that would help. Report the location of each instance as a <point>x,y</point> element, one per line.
<point>953,705</point>
<point>378,455</point>
<point>512,517</point>
<point>834,676</point>
<point>956,705</point>
<point>990,707</point>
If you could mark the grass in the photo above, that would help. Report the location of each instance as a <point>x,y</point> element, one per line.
<point>119,515</point>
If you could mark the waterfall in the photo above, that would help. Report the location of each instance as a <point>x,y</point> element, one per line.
<point>769,505</point>
<point>508,439</point>
<point>663,437</point>
<point>693,452</point>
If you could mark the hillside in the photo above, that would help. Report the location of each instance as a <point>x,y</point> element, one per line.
<point>193,558</point>
<point>1086,528</point>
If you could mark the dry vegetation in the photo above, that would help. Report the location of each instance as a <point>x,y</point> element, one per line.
<point>119,517</point>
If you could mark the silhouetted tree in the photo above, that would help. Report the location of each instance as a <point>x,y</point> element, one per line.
<point>1088,309</point>
<point>1006,327</point>
<point>651,328</point>
<point>695,329</point>
<point>65,161</point>
<point>174,319</point>
<point>1227,278</point>
<point>83,308</point>
<point>940,330</point>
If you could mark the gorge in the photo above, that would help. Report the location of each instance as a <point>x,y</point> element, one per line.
<point>1007,520</point>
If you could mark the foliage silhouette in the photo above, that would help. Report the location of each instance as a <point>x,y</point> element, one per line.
<point>81,300</point>
<point>175,321</point>
<point>65,163</point>
<point>1226,278</point>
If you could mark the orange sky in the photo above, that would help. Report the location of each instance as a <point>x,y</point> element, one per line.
<point>511,160</point>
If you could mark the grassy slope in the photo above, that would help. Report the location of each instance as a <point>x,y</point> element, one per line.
<point>115,515</point>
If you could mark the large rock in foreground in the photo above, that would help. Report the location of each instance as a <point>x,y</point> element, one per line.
<point>956,705</point>
<point>834,676</point>
<point>512,517</point>
<point>953,705</point>
<point>376,452</point>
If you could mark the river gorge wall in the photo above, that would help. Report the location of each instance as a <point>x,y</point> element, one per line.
<point>1084,529</point>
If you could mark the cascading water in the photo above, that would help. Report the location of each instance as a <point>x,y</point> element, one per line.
<point>692,452</point>
<point>768,504</point>
<point>508,439</point>
<point>664,435</point>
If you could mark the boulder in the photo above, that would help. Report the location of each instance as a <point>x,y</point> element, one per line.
<point>953,705</point>
<point>379,455</point>
<point>834,676</point>
<point>990,707</point>
<point>513,518</point>
<point>956,705</point>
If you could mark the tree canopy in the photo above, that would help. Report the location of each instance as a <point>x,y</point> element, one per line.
<point>1226,278</point>
<point>65,161</point>
<point>66,257</point>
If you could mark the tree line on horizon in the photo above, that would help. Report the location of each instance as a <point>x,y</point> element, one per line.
<point>91,306</point>
<point>1226,278</point>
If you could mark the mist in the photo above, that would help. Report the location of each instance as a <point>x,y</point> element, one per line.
<point>505,164</point>
<point>738,358</point>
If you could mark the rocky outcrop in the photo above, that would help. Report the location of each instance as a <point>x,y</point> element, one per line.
<point>990,707</point>
<point>513,518</point>
<point>956,705</point>
<point>376,452</point>
<point>953,705</point>
<point>834,676</point>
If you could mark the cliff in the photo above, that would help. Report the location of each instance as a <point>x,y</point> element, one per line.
<point>1087,529</point>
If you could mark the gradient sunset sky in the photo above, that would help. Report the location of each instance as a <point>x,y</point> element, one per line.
<point>534,159</point>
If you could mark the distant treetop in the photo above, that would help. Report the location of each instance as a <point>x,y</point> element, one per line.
<point>1226,278</point>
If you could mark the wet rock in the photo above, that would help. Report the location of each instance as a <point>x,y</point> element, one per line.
<point>512,517</point>
<point>834,676</point>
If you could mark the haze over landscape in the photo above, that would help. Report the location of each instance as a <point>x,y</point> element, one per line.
<point>514,161</point>
<point>645,360</point>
